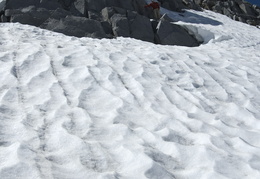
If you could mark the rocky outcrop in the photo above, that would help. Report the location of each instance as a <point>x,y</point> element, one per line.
<point>100,19</point>
<point>238,10</point>
<point>115,18</point>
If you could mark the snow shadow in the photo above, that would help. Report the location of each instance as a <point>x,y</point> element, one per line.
<point>190,17</point>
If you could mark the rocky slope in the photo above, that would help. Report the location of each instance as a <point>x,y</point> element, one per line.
<point>236,9</point>
<point>114,18</point>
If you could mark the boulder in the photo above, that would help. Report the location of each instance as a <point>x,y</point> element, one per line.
<point>107,28</point>
<point>208,4</point>
<point>138,6</point>
<point>2,5</point>
<point>10,12</point>
<point>66,4</point>
<point>77,26</point>
<point>128,23</point>
<point>227,12</point>
<point>176,5</point>
<point>120,25</point>
<point>126,4</point>
<point>55,18</point>
<point>108,12</point>
<point>141,28</point>
<point>78,8</point>
<point>94,15</point>
<point>172,34</point>
<point>18,4</point>
<point>191,5</point>
<point>29,16</point>
<point>99,5</point>
<point>198,2</point>
<point>59,14</point>
<point>247,9</point>
<point>217,8</point>
<point>3,18</point>
<point>241,19</point>
<point>235,7</point>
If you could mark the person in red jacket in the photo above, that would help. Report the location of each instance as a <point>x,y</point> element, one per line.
<point>156,9</point>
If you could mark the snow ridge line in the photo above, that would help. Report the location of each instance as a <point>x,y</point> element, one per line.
<point>41,162</point>
<point>55,73</point>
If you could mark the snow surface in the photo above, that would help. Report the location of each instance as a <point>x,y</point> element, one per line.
<point>81,108</point>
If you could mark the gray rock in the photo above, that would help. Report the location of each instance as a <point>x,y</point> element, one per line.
<point>76,7</point>
<point>198,2</point>
<point>138,6</point>
<point>18,4</point>
<point>191,5</point>
<point>172,34</point>
<point>235,17</point>
<point>94,15</point>
<point>128,23</point>
<point>251,22</point>
<point>209,4</point>
<point>241,19</point>
<point>2,5</point>
<point>59,14</point>
<point>99,5</point>
<point>217,8</point>
<point>107,13</point>
<point>235,7</point>
<point>176,5</point>
<point>78,27</point>
<point>66,4</point>
<point>120,25</point>
<point>227,12</point>
<point>55,18</point>
<point>79,8</point>
<point>141,28</point>
<point>29,16</point>
<point>24,19</point>
<point>49,4</point>
<point>3,18</point>
<point>126,4</point>
<point>10,12</point>
<point>247,9</point>
<point>107,28</point>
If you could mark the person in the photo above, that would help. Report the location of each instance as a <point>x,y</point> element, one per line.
<point>156,9</point>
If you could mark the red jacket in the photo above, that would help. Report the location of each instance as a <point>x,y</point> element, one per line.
<point>154,5</point>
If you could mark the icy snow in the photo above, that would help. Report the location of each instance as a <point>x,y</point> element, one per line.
<point>81,108</point>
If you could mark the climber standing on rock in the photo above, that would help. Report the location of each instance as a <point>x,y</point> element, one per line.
<point>156,9</point>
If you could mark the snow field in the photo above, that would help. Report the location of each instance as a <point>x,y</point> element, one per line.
<point>86,108</point>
